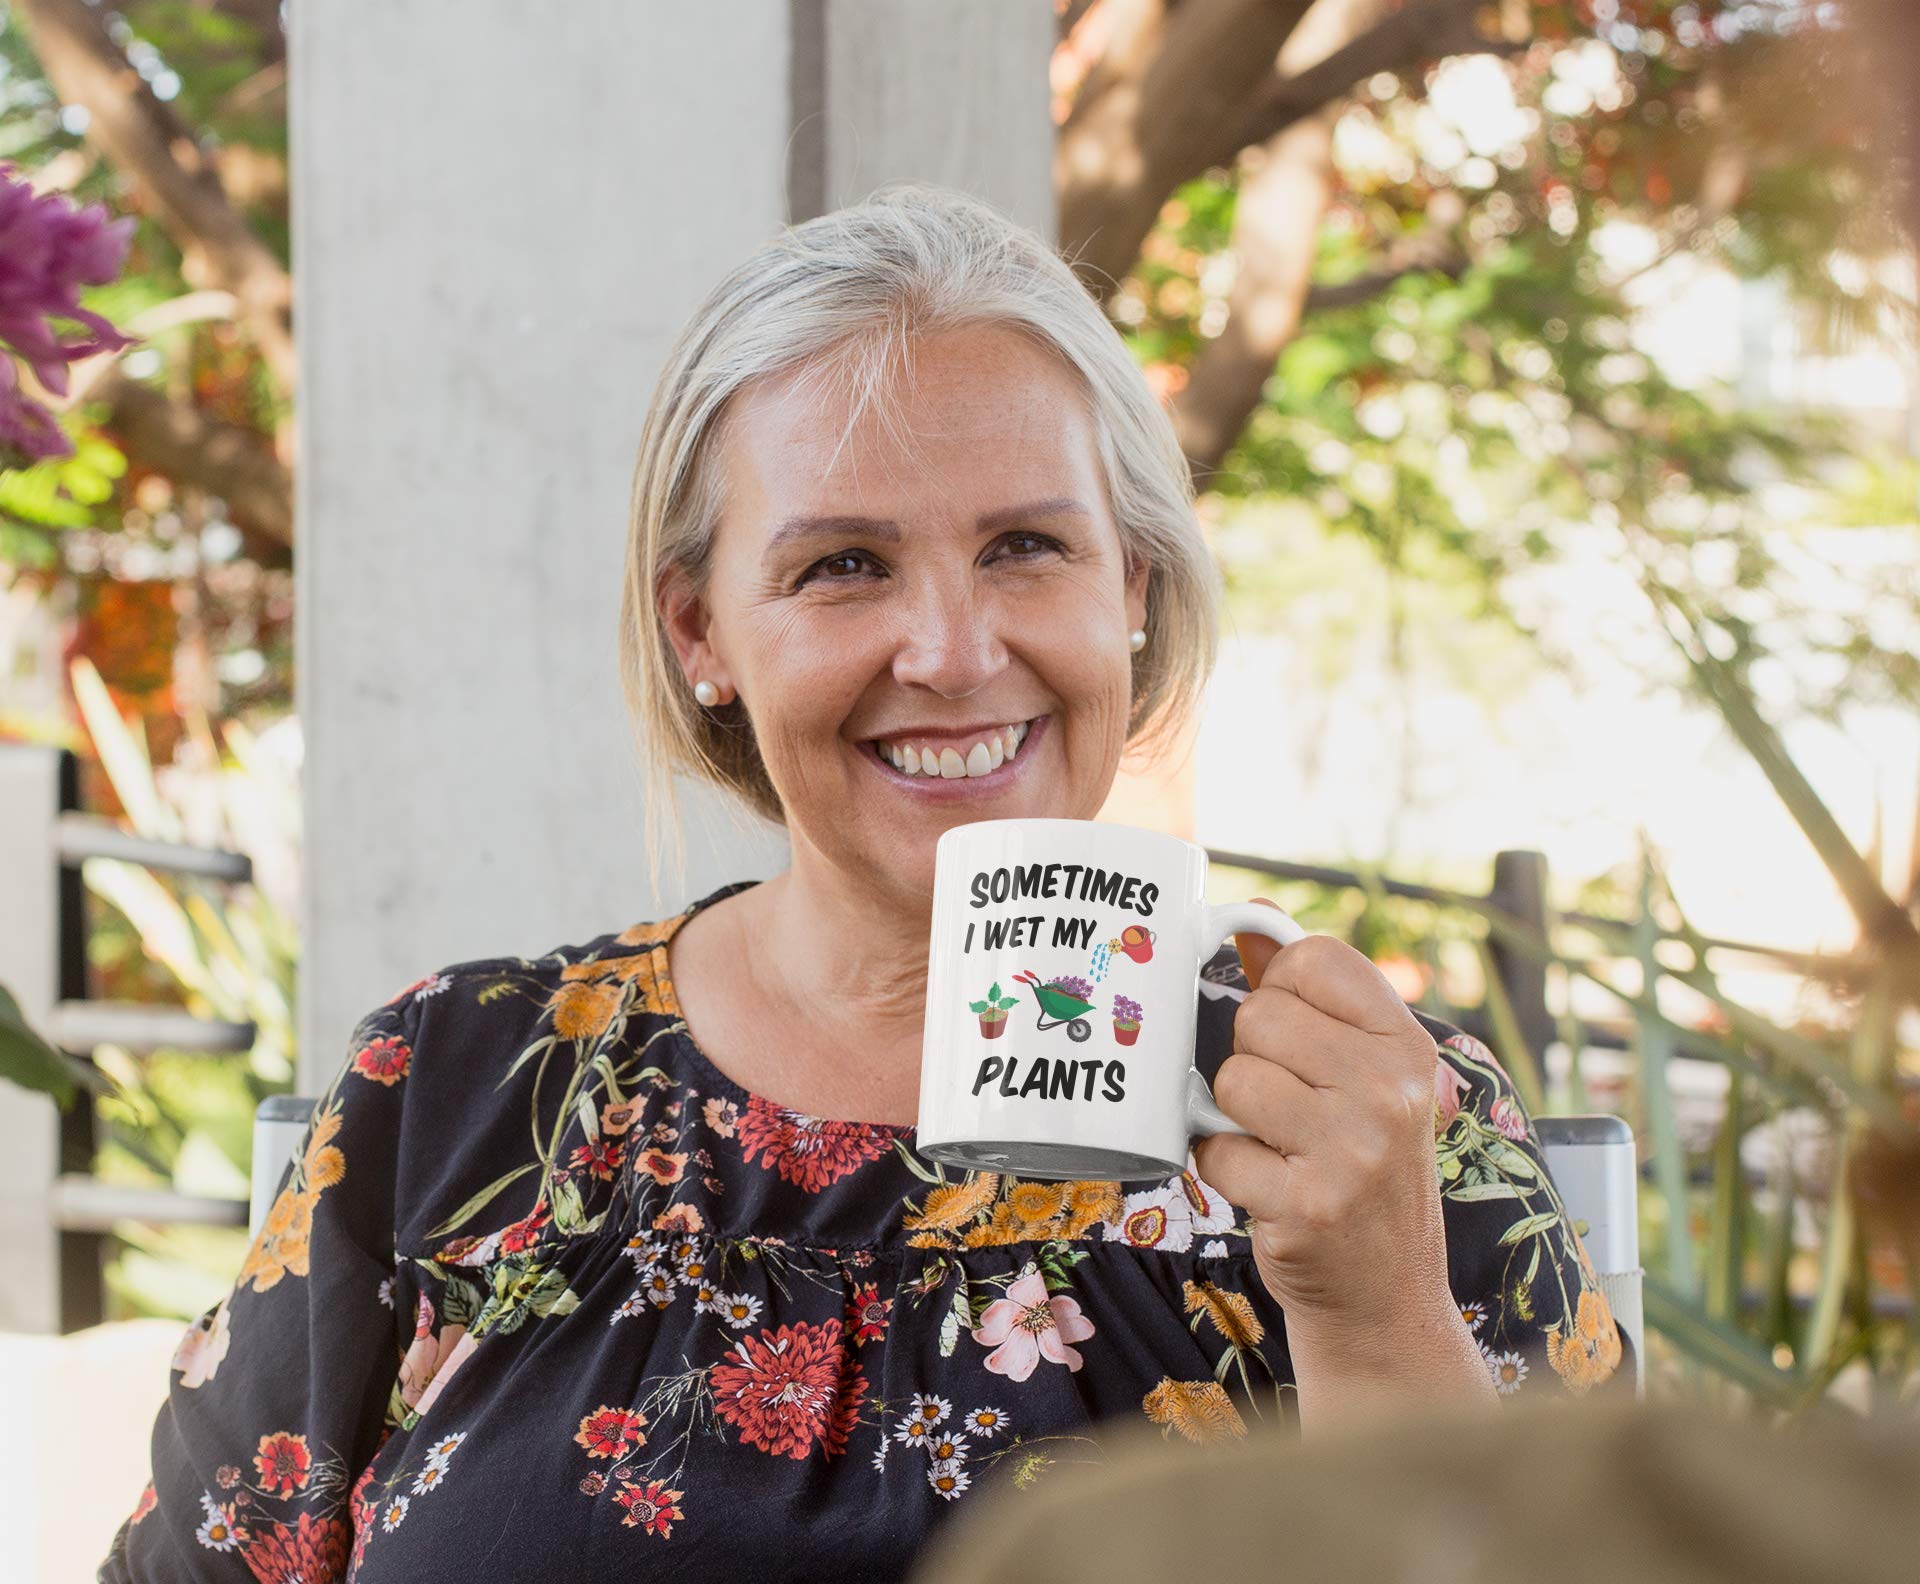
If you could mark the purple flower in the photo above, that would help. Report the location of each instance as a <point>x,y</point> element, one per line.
<point>1079,989</point>
<point>1126,1009</point>
<point>48,250</point>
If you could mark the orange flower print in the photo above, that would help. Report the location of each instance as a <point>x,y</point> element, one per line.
<point>583,1011</point>
<point>1591,1353</point>
<point>680,1218</point>
<point>616,1119</point>
<point>611,1432</point>
<point>649,1507</point>
<point>524,1233</point>
<point>1200,1410</point>
<point>662,1167</point>
<point>384,1060</point>
<point>283,1461</point>
<point>148,1501</point>
<point>722,1116</point>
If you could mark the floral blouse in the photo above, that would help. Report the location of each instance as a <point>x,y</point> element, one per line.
<point>544,1290</point>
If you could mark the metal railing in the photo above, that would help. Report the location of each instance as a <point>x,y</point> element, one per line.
<point>55,1215</point>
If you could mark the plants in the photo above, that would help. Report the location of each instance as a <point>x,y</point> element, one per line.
<point>1126,1019</point>
<point>1067,985</point>
<point>993,1012</point>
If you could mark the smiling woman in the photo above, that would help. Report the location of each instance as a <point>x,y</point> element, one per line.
<point>631,1243</point>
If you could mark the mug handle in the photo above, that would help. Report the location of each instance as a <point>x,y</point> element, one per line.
<point>1204,1118</point>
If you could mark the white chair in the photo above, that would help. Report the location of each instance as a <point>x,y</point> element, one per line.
<point>1591,1159</point>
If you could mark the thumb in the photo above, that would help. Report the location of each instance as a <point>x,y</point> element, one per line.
<point>1256,951</point>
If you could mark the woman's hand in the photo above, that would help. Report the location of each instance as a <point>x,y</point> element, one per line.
<point>1334,1077</point>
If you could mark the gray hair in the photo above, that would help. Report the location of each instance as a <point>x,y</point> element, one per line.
<point>840,296</point>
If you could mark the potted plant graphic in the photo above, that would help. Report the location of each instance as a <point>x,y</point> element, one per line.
<point>1126,1019</point>
<point>993,1012</point>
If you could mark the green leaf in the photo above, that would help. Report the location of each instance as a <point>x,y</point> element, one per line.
<point>913,1163</point>
<point>480,1201</point>
<point>994,993</point>
<point>568,1212</point>
<point>977,1006</point>
<point>29,1061</point>
<point>1512,1161</point>
<point>1485,1190</point>
<point>1527,1228</point>
<point>959,1312</point>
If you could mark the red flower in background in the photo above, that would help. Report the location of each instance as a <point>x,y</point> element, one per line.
<point>788,1388</point>
<point>809,1151</point>
<point>300,1553</point>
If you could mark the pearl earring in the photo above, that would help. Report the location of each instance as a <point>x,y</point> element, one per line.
<point>1137,639</point>
<point>706,692</point>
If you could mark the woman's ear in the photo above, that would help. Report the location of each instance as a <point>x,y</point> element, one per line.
<point>1139,569</point>
<point>685,619</point>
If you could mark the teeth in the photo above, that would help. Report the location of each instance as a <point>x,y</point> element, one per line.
<point>982,758</point>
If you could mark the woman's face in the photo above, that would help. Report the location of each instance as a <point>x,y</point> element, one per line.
<point>936,583</point>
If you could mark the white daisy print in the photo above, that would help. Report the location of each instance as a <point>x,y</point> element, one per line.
<point>395,1514</point>
<point>739,1310</point>
<point>217,1532</point>
<point>880,1457</point>
<point>1475,1314</point>
<point>931,1409</point>
<point>442,1450</point>
<point>1216,1249</point>
<point>913,1431</point>
<point>986,1423</point>
<point>1507,1369</point>
<point>947,1448</point>
<point>432,1477</point>
<point>386,1292</point>
<point>949,1479</point>
<point>632,1304</point>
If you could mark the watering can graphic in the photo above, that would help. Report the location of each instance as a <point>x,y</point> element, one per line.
<point>1137,942</point>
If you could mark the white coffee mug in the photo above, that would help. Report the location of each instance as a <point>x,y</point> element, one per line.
<point>1063,979</point>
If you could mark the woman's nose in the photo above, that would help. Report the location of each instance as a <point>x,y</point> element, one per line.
<point>949,645</point>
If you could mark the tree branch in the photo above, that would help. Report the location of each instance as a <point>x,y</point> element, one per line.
<point>146,141</point>
<point>189,447</point>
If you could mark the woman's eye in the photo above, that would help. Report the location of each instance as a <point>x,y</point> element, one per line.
<point>1046,542</point>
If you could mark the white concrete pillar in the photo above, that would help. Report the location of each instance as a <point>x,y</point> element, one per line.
<point>502,213</point>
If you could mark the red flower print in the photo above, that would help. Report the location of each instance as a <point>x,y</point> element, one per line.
<point>299,1553</point>
<point>616,1119</point>
<point>1509,1118</point>
<point>593,1484</point>
<point>611,1432</point>
<point>867,1314</point>
<point>283,1461</point>
<point>384,1060</point>
<point>649,1507</point>
<point>525,1232</point>
<point>789,1387</point>
<point>148,1501</point>
<point>362,1511</point>
<point>601,1160</point>
<point>226,1476</point>
<point>808,1151</point>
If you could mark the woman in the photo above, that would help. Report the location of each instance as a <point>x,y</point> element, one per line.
<point>623,1255</point>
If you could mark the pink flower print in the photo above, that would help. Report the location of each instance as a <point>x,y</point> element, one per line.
<point>1027,1325</point>
<point>1449,1085</point>
<point>1509,1118</point>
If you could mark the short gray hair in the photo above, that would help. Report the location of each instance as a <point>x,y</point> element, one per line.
<point>839,297</point>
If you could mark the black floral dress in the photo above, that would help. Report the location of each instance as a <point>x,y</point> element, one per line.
<point>544,1293</point>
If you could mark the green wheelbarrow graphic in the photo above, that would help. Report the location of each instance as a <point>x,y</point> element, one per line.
<point>1055,1007</point>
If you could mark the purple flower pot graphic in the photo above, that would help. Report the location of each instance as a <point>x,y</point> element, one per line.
<point>1126,1019</point>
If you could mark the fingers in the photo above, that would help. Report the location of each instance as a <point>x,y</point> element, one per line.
<point>1277,1106</point>
<point>1250,1174</point>
<point>1333,977</point>
<point>1282,1029</point>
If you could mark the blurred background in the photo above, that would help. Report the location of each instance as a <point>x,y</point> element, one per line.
<point>1549,373</point>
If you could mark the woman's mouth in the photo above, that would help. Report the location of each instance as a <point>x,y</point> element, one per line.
<point>985,762</point>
